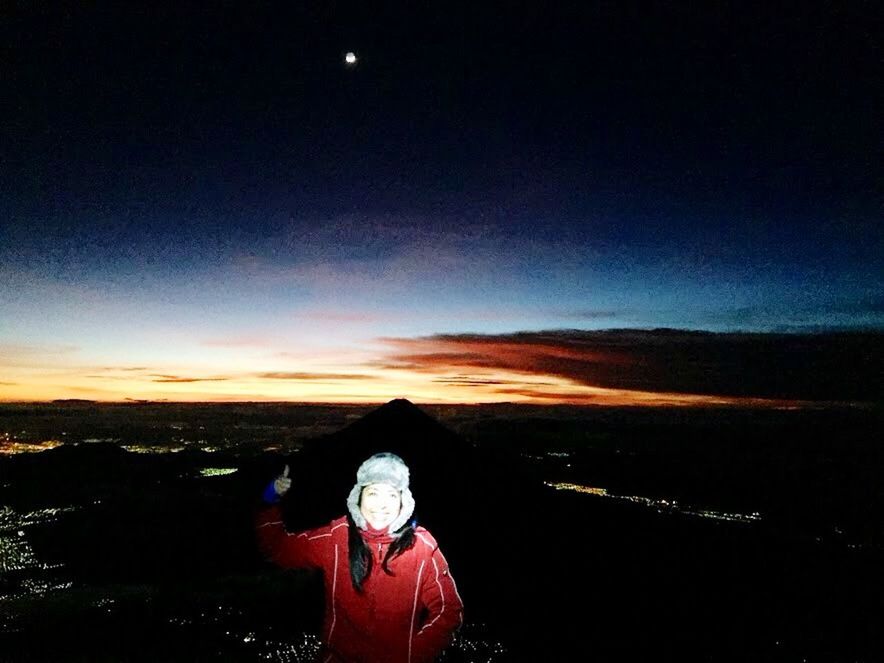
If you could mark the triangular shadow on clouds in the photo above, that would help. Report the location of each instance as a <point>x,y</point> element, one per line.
<point>454,484</point>
<point>478,504</point>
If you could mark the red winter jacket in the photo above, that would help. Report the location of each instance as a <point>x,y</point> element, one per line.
<point>408,617</point>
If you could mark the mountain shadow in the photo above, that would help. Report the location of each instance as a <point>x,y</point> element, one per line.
<point>488,509</point>
<point>449,477</point>
<point>560,576</point>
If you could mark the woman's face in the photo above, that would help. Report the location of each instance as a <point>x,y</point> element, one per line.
<point>380,504</point>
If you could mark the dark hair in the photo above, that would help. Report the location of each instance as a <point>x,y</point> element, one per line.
<point>360,555</point>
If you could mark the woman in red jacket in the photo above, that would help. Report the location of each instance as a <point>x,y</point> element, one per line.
<point>389,596</point>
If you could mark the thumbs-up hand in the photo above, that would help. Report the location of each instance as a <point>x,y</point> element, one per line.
<point>282,483</point>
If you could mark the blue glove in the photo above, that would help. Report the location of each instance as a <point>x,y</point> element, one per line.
<point>278,487</point>
<point>270,496</point>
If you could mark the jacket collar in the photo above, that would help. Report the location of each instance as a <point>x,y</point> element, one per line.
<point>371,535</point>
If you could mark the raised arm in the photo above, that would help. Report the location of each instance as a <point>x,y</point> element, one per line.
<point>286,549</point>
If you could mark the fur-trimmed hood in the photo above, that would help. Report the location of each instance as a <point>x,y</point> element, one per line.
<point>386,468</point>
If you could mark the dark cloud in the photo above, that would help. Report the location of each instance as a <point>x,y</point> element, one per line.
<point>427,362</point>
<point>467,381</point>
<point>313,376</point>
<point>553,396</point>
<point>176,378</point>
<point>830,367</point>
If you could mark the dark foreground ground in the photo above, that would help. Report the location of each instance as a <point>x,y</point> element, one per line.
<point>729,536</point>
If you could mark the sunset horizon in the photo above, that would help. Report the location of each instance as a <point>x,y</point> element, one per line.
<point>295,203</point>
<point>573,367</point>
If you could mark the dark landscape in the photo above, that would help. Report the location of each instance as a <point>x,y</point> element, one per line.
<point>574,533</point>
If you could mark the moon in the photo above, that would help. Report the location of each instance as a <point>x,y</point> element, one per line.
<point>350,58</point>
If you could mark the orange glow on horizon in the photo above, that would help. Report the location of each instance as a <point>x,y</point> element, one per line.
<point>537,369</point>
<point>482,387</point>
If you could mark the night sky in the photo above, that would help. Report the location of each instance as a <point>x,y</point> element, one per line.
<point>555,202</point>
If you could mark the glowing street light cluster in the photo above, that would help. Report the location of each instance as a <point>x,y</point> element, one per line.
<point>17,555</point>
<point>11,447</point>
<point>660,505</point>
<point>217,471</point>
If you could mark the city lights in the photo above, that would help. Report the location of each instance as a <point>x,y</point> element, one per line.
<point>660,505</point>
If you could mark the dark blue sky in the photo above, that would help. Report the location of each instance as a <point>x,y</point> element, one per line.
<point>481,170</point>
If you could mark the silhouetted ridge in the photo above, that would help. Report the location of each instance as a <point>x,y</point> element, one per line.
<point>449,479</point>
<point>394,418</point>
<point>477,503</point>
<point>81,460</point>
